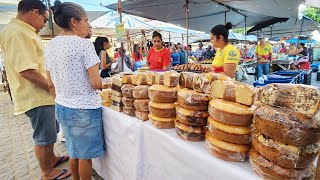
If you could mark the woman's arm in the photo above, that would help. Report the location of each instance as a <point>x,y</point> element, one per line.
<point>51,85</point>
<point>230,69</point>
<point>94,77</point>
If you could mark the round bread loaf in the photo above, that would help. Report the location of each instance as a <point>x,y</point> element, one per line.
<point>107,104</point>
<point>162,94</point>
<point>192,117</point>
<point>143,115</point>
<point>286,126</point>
<point>141,92</point>
<point>229,133</point>
<point>129,110</point>
<point>190,133</point>
<point>162,123</point>
<point>268,170</point>
<point>190,99</point>
<point>226,151</point>
<point>286,156</point>
<point>163,110</point>
<point>230,112</point>
<point>141,104</point>
<point>128,101</point>
<point>127,90</point>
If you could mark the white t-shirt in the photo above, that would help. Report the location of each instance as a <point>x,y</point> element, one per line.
<point>67,58</point>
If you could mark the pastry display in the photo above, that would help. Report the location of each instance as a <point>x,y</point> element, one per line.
<point>190,133</point>
<point>229,133</point>
<point>142,115</point>
<point>162,94</point>
<point>127,90</point>
<point>141,92</point>
<point>190,99</point>
<point>163,110</point>
<point>268,170</point>
<point>233,91</point>
<point>192,117</point>
<point>171,78</point>
<point>141,104</point>
<point>301,98</point>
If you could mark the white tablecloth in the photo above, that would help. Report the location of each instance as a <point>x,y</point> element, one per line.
<point>138,151</point>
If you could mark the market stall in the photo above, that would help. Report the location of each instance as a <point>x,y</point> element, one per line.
<point>195,125</point>
<point>138,150</point>
<point>283,64</point>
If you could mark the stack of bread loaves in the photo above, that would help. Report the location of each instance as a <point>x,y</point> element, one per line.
<point>127,92</point>
<point>116,97</point>
<point>163,98</point>
<point>140,93</point>
<point>230,119</point>
<point>105,95</point>
<point>193,100</point>
<point>286,132</point>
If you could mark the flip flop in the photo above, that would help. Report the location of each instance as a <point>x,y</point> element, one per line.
<point>64,171</point>
<point>62,160</point>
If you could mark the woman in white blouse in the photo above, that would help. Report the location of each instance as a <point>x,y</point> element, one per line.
<point>73,73</point>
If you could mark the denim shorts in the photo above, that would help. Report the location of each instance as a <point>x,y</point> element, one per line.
<point>83,130</point>
<point>44,124</point>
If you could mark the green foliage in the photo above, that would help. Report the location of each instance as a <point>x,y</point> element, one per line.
<point>313,13</point>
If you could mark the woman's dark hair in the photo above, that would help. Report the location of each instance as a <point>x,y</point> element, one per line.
<point>156,34</point>
<point>98,44</point>
<point>136,50</point>
<point>28,5</point>
<point>63,12</point>
<point>122,50</point>
<point>222,30</point>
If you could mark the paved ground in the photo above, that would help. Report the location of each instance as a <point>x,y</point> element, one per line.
<point>16,145</point>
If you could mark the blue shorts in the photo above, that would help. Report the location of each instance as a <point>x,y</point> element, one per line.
<point>83,130</point>
<point>44,125</point>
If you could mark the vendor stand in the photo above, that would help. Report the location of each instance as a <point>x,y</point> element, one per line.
<point>283,64</point>
<point>138,150</point>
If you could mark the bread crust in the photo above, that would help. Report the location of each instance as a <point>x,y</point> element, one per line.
<point>284,157</point>
<point>268,170</point>
<point>142,115</point>
<point>141,92</point>
<point>141,104</point>
<point>286,126</point>
<point>162,94</point>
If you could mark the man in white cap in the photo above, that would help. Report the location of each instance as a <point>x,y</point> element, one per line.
<point>264,55</point>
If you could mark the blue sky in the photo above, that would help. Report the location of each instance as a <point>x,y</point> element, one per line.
<point>92,5</point>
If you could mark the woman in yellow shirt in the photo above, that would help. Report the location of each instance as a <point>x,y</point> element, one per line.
<point>227,56</point>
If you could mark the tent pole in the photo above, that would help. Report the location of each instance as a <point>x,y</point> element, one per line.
<point>225,15</point>
<point>169,38</point>
<point>120,14</point>
<point>245,28</point>
<point>187,26</point>
<point>300,32</point>
<point>271,31</point>
<point>50,19</point>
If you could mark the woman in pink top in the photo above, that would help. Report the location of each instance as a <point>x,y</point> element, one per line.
<point>283,49</point>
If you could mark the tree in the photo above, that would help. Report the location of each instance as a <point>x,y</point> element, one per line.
<point>313,13</point>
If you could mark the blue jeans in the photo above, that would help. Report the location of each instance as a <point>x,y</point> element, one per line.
<point>262,69</point>
<point>44,124</point>
<point>83,130</point>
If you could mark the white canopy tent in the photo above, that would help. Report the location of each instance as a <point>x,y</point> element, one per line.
<point>105,25</point>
